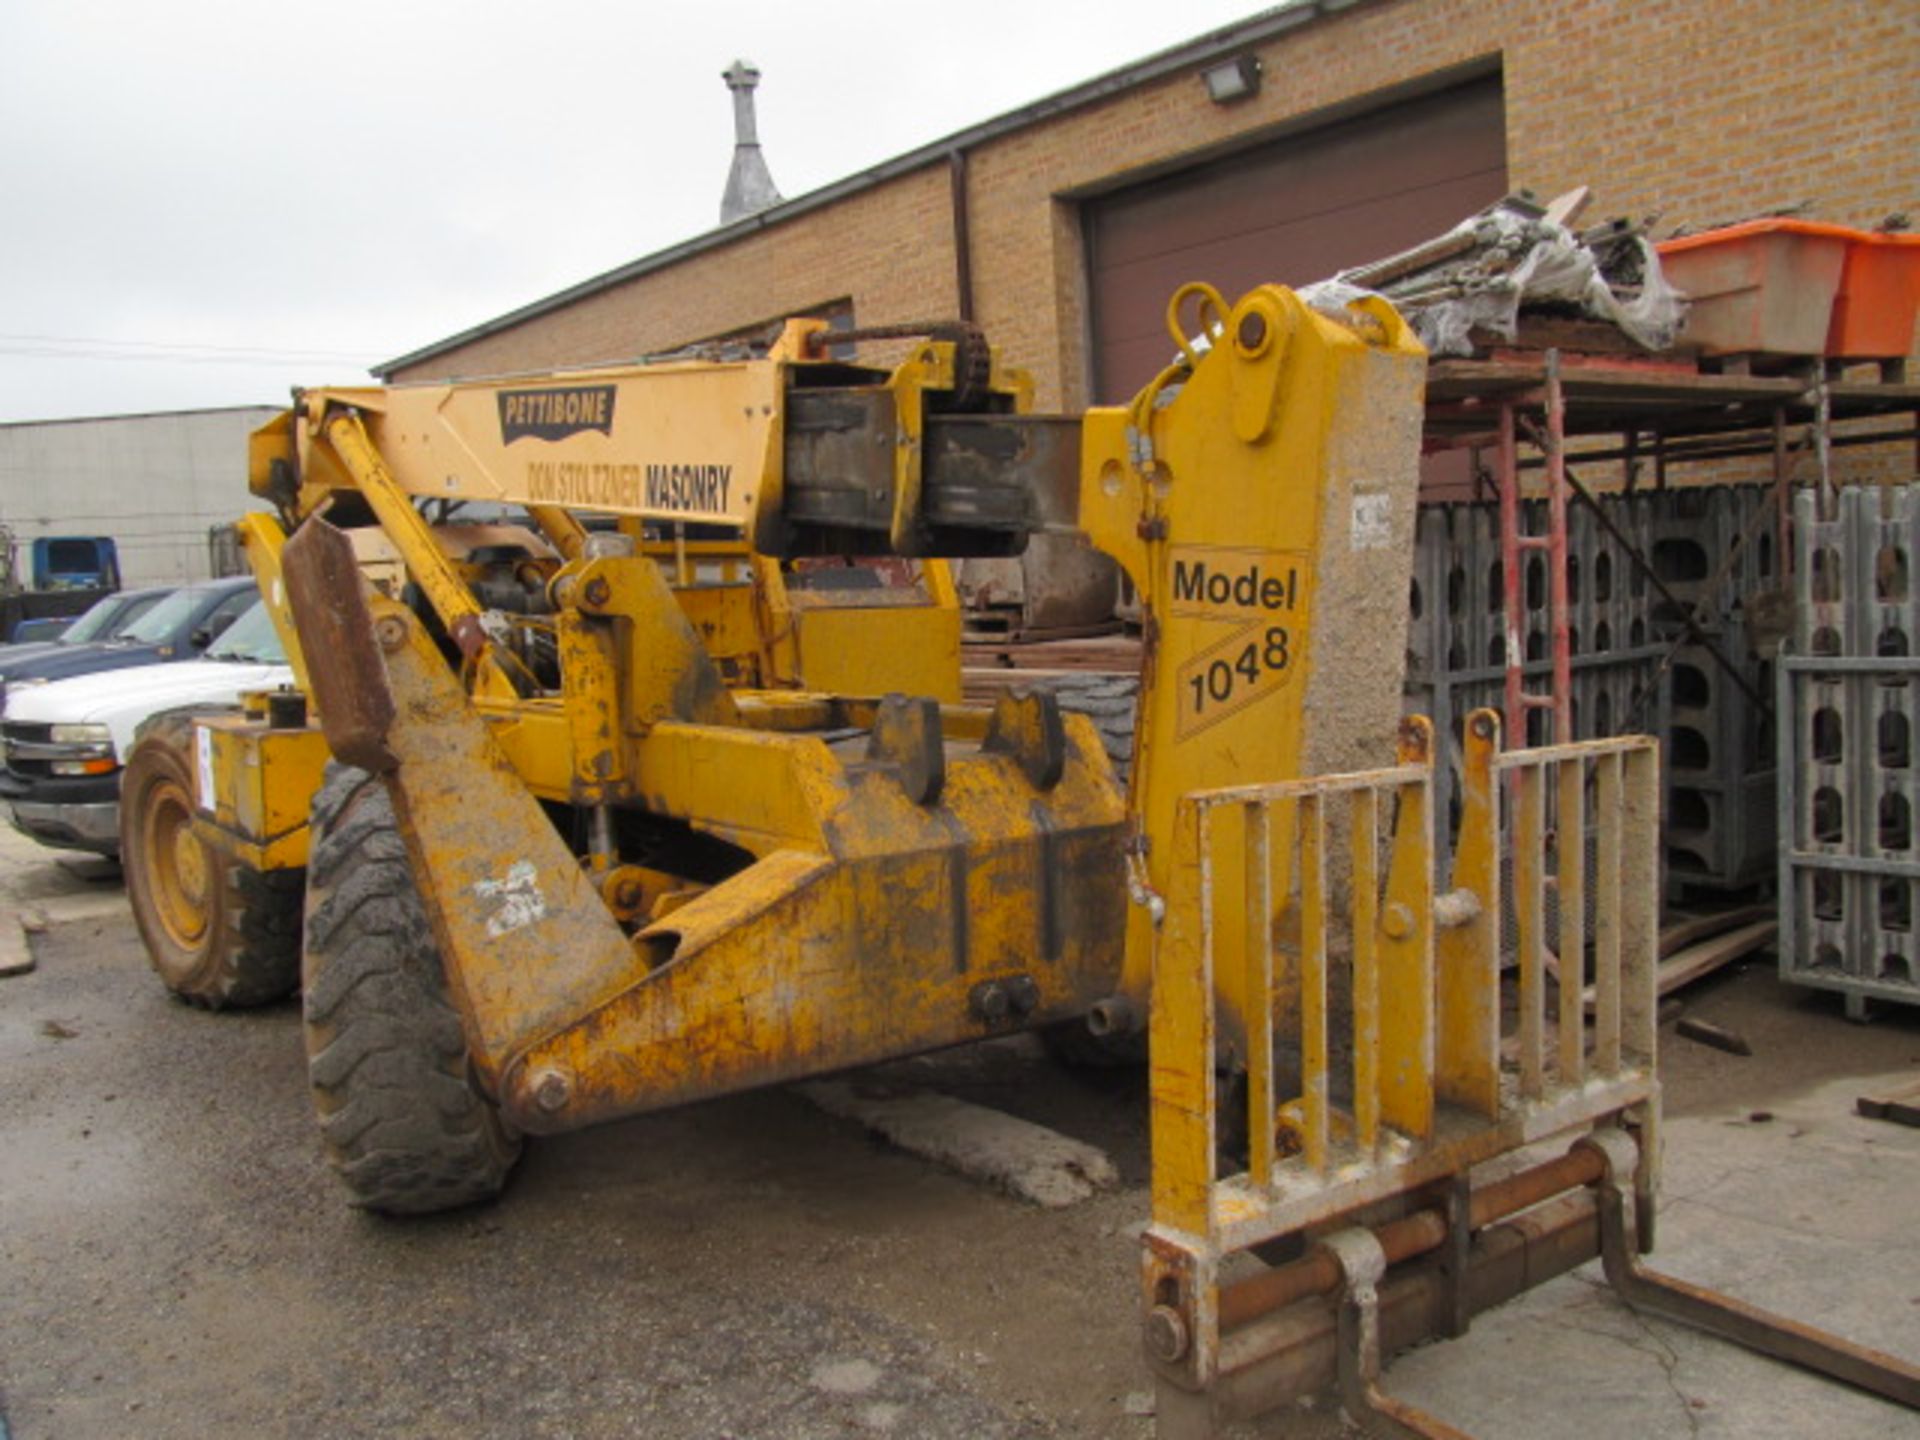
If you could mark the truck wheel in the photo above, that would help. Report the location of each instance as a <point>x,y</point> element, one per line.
<point>404,1125</point>
<point>219,932</point>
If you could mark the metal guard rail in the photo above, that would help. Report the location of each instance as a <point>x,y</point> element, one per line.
<point>1384,1070</point>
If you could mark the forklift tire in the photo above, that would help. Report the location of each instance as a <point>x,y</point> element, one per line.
<point>404,1125</point>
<point>218,932</point>
<point>1110,701</point>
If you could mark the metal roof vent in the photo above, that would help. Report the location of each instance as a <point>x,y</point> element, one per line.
<point>750,187</point>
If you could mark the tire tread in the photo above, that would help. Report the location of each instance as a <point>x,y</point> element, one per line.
<point>255,958</point>
<point>402,1123</point>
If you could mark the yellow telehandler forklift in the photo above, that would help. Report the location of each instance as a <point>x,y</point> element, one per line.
<point>656,797</point>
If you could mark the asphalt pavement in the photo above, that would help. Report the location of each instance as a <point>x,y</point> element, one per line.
<point>175,1261</point>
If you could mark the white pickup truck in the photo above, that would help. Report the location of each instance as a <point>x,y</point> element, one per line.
<point>65,742</point>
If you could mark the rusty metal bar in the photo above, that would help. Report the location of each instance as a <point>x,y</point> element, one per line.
<point>1292,1353</point>
<point>1639,902</point>
<point>1180,1038</point>
<point>683,570</point>
<point>1570,825</point>
<point>1366,970</point>
<point>436,576</point>
<point>1580,750</point>
<point>1823,441</point>
<point>1416,1031</point>
<point>1557,598</point>
<point>1782,500</point>
<point>1606,917</point>
<point>1529,844</point>
<point>1685,448</point>
<point>566,534</point>
<point>1259,991</point>
<point>1411,1235</point>
<point>1316,785</point>
<point>1467,995</point>
<point>1313,983</point>
<point>962,233</point>
<point>1513,652</point>
<point>1406,951</point>
<point>1749,1325</point>
<point>1723,1315</point>
<point>1357,1362</point>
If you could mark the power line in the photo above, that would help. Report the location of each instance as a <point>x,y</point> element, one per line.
<point>185,352</point>
<point>180,345</point>
<point>291,362</point>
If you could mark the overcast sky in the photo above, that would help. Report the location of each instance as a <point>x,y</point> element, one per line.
<point>207,201</point>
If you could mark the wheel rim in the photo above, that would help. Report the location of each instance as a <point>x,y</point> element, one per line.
<point>177,864</point>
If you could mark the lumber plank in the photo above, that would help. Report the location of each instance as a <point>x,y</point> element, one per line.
<point>1690,962</point>
<point>1900,1105</point>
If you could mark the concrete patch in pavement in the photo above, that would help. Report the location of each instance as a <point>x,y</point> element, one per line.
<point>1028,1161</point>
<point>41,889</point>
<point>71,909</point>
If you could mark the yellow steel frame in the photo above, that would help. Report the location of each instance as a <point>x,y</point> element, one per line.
<point>891,896</point>
<point>647,722</point>
<point>1228,459</point>
<point>573,1021</point>
<point>1431,1090</point>
<point>254,786</point>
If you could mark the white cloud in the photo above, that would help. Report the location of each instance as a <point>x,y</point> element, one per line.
<point>364,178</point>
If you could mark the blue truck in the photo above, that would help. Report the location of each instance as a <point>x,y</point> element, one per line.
<point>65,575</point>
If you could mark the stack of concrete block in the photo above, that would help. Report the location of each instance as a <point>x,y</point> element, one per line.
<point>1456,645</point>
<point>1722,790</point>
<point>1848,865</point>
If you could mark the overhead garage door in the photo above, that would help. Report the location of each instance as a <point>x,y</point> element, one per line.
<point>1293,211</point>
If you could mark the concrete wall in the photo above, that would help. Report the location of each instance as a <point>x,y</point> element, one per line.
<point>155,483</point>
<point>1701,110</point>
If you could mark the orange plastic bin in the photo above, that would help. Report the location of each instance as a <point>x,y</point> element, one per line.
<point>1765,287</point>
<point>1791,287</point>
<point>1879,294</point>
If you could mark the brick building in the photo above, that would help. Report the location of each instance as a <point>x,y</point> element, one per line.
<point>1063,227</point>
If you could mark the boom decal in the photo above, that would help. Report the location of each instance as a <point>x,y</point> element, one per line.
<point>555,414</point>
<point>688,489</point>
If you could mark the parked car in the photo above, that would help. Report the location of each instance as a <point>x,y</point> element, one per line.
<point>64,742</point>
<point>106,619</point>
<point>47,627</point>
<point>178,628</point>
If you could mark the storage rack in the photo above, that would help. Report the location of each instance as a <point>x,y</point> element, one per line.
<point>1849,699</point>
<point>1539,422</point>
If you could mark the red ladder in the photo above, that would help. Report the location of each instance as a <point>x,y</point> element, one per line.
<point>1513,546</point>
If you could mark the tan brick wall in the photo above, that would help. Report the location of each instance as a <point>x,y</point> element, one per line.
<point>1701,110</point>
<point>890,249</point>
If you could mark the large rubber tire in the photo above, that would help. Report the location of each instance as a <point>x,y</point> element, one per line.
<point>1111,702</point>
<point>219,933</point>
<point>403,1123</point>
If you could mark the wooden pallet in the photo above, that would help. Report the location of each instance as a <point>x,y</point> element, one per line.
<point>1900,1105</point>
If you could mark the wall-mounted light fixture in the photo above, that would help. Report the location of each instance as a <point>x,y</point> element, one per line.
<point>1231,80</point>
